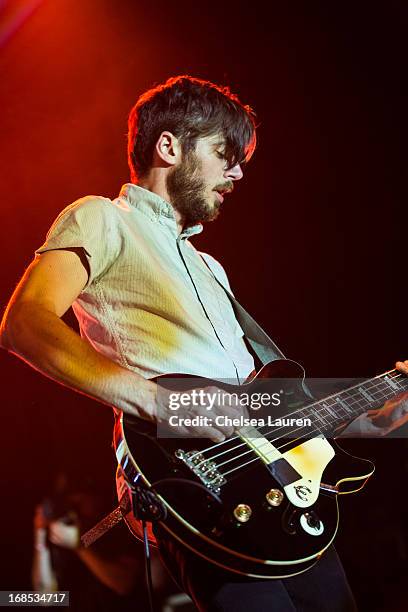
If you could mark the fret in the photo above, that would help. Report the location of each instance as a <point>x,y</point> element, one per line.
<point>392,383</point>
<point>403,385</point>
<point>400,383</point>
<point>329,410</point>
<point>330,417</point>
<point>345,405</point>
<point>357,401</point>
<point>348,410</point>
<point>382,388</point>
<point>380,391</point>
<point>318,418</point>
<point>385,394</point>
<point>360,404</point>
<point>325,418</point>
<point>365,393</point>
<point>304,413</point>
<point>388,389</point>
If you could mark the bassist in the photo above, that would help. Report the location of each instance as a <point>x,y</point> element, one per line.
<point>148,305</point>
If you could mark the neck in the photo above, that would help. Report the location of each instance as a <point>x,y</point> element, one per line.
<point>156,183</point>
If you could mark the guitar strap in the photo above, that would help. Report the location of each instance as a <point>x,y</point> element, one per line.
<point>109,521</point>
<point>263,346</point>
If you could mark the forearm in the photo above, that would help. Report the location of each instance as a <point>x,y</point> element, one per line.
<point>42,339</point>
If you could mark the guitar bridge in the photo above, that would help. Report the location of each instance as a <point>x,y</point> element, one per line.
<point>205,469</point>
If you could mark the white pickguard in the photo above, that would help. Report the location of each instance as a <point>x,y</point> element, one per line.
<point>309,459</point>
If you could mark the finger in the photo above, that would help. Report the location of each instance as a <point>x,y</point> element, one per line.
<point>402,366</point>
<point>215,431</point>
<point>223,424</point>
<point>374,428</point>
<point>373,413</point>
<point>204,431</point>
<point>380,418</point>
<point>227,414</point>
<point>227,420</point>
<point>232,401</point>
<point>210,432</point>
<point>226,429</point>
<point>402,420</point>
<point>224,400</point>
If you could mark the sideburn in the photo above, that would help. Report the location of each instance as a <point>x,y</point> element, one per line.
<point>187,192</point>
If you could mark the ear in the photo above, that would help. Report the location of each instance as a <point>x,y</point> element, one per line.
<point>168,148</point>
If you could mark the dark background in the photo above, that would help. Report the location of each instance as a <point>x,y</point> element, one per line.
<point>313,239</point>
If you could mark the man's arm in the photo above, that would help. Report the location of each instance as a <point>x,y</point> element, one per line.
<point>33,330</point>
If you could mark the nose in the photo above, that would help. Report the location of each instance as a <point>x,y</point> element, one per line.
<point>235,173</point>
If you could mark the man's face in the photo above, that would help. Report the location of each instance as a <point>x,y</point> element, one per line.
<point>198,183</point>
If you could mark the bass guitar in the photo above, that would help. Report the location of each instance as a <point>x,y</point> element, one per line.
<point>263,503</point>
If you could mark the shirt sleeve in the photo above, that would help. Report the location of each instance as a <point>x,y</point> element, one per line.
<point>90,223</point>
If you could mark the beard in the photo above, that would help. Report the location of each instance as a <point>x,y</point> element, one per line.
<point>187,192</point>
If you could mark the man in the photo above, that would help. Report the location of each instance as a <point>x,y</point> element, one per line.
<point>148,304</point>
<point>106,576</point>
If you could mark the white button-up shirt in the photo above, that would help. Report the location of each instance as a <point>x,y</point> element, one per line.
<point>150,304</point>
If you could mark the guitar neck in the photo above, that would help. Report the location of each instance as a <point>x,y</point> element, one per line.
<point>350,403</point>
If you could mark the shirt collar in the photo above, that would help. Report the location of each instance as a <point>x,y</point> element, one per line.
<point>155,208</point>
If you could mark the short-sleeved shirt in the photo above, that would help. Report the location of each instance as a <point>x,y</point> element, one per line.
<point>151,303</point>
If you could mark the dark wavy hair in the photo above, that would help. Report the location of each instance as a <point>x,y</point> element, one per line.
<point>189,108</point>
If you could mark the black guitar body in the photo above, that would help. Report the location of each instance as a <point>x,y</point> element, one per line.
<point>258,519</point>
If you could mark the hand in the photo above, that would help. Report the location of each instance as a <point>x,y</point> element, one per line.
<point>402,366</point>
<point>194,412</point>
<point>64,535</point>
<point>382,421</point>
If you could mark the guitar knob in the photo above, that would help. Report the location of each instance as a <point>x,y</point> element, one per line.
<point>243,513</point>
<point>274,497</point>
<point>311,523</point>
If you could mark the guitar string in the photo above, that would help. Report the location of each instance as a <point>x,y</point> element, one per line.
<point>251,450</point>
<point>350,404</point>
<point>314,432</point>
<point>257,458</point>
<point>399,375</point>
<point>267,440</point>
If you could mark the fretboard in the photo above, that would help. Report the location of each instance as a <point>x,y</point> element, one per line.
<point>345,406</point>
